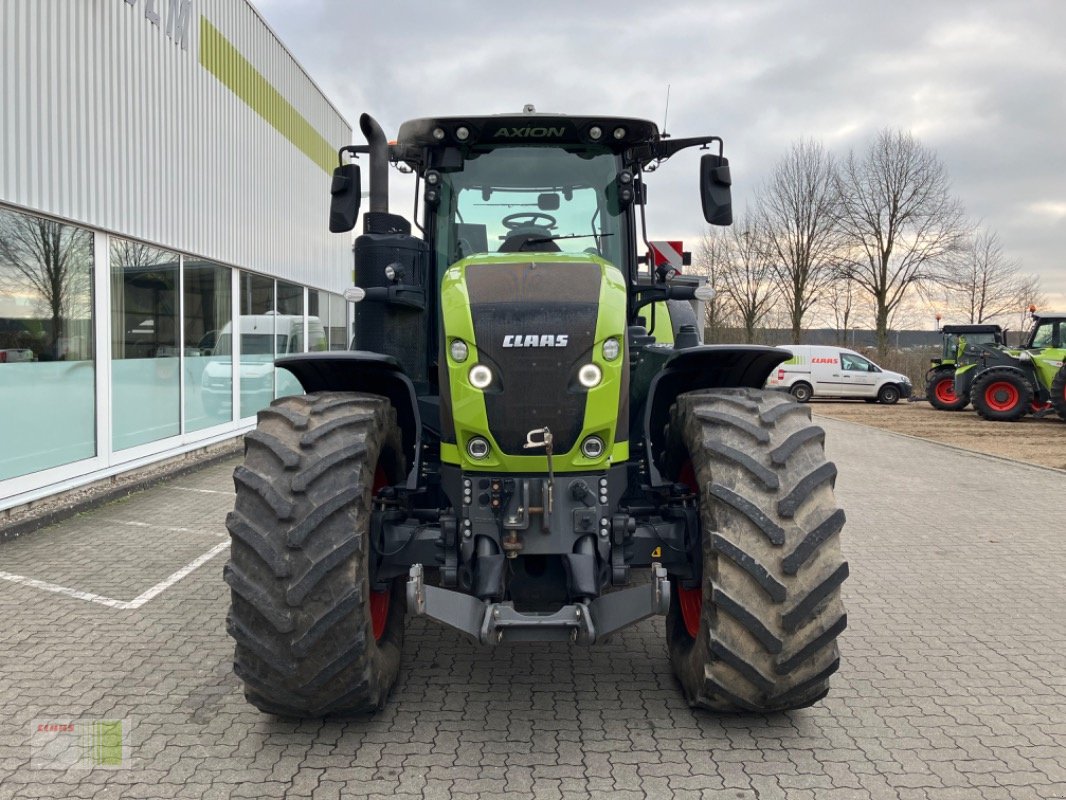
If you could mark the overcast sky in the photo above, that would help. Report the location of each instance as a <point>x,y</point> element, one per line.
<point>982,83</point>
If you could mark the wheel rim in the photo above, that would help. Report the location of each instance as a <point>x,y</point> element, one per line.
<point>945,390</point>
<point>690,600</point>
<point>379,601</point>
<point>1001,396</point>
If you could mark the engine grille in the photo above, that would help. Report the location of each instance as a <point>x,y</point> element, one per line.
<point>522,299</point>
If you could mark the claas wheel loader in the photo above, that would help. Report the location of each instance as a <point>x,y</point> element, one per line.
<point>510,449</point>
<point>1006,384</point>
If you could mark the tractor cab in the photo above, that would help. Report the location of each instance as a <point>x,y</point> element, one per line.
<point>1048,330</point>
<point>957,339</point>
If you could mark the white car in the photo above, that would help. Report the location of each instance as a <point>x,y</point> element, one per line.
<point>11,356</point>
<point>819,371</point>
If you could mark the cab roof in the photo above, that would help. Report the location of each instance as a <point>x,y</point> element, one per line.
<point>639,140</point>
<point>971,329</point>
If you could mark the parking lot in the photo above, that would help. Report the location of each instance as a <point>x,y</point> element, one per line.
<point>953,682</point>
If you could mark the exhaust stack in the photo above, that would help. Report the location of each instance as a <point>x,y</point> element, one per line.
<point>379,163</point>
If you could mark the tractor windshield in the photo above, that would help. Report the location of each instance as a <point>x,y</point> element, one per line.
<point>1043,334</point>
<point>531,198</point>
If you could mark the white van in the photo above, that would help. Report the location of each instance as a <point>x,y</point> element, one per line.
<point>263,336</point>
<point>817,371</point>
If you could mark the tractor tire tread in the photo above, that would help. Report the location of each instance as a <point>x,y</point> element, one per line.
<point>298,567</point>
<point>769,626</point>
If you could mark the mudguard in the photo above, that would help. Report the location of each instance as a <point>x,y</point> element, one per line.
<point>362,371</point>
<point>704,367</point>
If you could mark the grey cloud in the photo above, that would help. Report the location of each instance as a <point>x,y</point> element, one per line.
<point>981,82</point>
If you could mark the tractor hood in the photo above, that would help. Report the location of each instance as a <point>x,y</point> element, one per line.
<point>535,320</point>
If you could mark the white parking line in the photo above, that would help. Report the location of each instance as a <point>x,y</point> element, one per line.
<point>110,602</point>
<point>202,491</point>
<point>134,524</point>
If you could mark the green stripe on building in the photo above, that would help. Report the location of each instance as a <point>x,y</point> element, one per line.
<point>219,57</point>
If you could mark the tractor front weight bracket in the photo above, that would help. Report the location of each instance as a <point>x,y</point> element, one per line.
<point>496,623</point>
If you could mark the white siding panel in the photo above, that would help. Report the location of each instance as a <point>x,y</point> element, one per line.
<point>110,123</point>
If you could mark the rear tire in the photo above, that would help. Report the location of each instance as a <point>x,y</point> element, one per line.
<point>312,638</point>
<point>940,391</point>
<point>801,391</point>
<point>768,609</point>
<point>1058,392</point>
<point>1001,394</point>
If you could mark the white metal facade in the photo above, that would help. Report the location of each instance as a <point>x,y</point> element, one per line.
<point>109,121</point>
<point>114,118</point>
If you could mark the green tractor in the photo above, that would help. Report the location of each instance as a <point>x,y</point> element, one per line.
<point>960,346</point>
<point>507,450</point>
<point>1006,384</point>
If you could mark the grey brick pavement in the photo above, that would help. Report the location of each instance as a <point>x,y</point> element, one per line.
<point>953,683</point>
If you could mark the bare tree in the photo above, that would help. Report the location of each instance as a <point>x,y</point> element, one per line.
<point>709,257</point>
<point>797,213</point>
<point>1030,297</point>
<point>984,282</point>
<point>742,267</point>
<point>901,220</point>
<point>52,262</point>
<point>839,295</point>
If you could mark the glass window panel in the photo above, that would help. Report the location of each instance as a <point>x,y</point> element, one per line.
<point>257,343</point>
<point>208,363</point>
<point>290,338</point>
<point>144,344</point>
<point>316,304</point>
<point>338,339</point>
<point>47,371</point>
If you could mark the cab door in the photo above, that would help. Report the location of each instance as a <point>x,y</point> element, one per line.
<point>859,377</point>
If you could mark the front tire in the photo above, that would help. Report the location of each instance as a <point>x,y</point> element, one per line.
<point>313,638</point>
<point>940,391</point>
<point>1001,394</point>
<point>889,395</point>
<point>1058,392</point>
<point>758,632</point>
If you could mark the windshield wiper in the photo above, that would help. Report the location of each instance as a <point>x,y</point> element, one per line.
<point>542,239</point>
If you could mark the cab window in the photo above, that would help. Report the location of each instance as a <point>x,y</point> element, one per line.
<point>856,363</point>
<point>1044,335</point>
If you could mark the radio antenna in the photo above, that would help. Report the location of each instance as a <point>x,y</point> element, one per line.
<point>666,113</point>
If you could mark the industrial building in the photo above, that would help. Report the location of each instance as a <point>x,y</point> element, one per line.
<point>164,175</point>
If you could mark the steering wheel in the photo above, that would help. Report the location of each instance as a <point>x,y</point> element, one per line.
<point>529,219</point>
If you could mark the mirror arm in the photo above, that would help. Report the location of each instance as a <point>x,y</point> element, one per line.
<point>665,148</point>
<point>352,150</point>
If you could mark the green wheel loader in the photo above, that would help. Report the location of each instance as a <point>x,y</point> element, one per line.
<point>960,346</point>
<point>1006,384</point>
<point>511,449</point>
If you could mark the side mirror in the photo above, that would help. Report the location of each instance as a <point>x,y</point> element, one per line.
<point>346,190</point>
<point>715,189</point>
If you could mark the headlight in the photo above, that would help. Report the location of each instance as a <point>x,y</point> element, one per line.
<point>459,351</point>
<point>592,447</point>
<point>611,348</point>
<point>589,376</point>
<point>478,447</point>
<point>480,376</point>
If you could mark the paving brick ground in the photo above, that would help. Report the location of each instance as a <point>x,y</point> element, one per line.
<point>953,683</point>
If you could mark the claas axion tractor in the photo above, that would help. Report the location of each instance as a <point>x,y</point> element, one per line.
<point>518,445</point>
<point>960,347</point>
